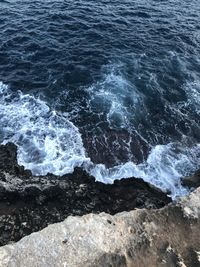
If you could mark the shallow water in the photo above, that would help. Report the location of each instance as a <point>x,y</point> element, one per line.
<point>113,86</point>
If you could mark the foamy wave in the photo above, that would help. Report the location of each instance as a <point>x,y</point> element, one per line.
<point>117,97</point>
<point>49,143</point>
<point>165,165</point>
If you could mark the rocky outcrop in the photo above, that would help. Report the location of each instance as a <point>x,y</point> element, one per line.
<point>192,181</point>
<point>166,237</point>
<point>29,203</point>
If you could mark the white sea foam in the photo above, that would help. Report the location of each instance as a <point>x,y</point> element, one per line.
<point>49,143</point>
<point>165,165</point>
<point>117,97</point>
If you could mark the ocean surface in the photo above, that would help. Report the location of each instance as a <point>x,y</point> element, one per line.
<point>112,86</point>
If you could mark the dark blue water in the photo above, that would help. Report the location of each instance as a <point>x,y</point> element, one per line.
<point>113,86</point>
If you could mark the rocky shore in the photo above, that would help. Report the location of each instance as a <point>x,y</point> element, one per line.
<point>29,204</point>
<point>166,237</point>
<point>80,222</point>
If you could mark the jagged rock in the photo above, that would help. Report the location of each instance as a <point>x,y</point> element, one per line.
<point>192,181</point>
<point>166,237</point>
<point>29,203</point>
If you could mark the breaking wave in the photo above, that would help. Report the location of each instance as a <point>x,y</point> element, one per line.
<point>48,142</point>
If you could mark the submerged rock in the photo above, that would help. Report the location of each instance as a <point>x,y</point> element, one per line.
<point>165,237</point>
<point>29,203</point>
<point>192,181</point>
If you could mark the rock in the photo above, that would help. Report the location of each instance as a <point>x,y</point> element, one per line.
<point>115,146</point>
<point>40,201</point>
<point>192,181</point>
<point>8,161</point>
<point>164,237</point>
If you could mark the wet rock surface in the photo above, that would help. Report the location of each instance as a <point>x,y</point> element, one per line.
<point>113,147</point>
<point>192,181</point>
<point>167,237</point>
<point>29,203</point>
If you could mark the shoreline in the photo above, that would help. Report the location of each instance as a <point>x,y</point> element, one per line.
<point>29,203</point>
<point>155,238</point>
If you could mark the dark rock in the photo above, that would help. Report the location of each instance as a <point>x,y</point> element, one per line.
<point>29,203</point>
<point>115,146</point>
<point>192,181</point>
<point>167,237</point>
